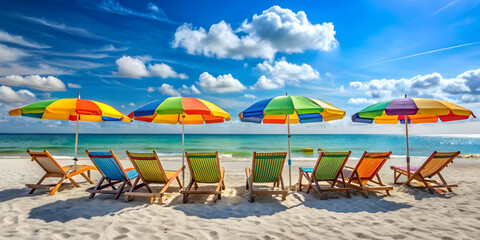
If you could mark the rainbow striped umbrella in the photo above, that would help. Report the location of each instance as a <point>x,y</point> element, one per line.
<point>73,109</point>
<point>182,110</point>
<point>290,109</point>
<point>414,110</point>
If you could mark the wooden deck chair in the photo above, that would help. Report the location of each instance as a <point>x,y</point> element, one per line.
<point>431,167</point>
<point>54,170</point>
<point>150,171</point>
<point>327,169</point>
<point>112,172</point>
<point>204,168</point>
<point>367,168</point>
<point>266,168</point>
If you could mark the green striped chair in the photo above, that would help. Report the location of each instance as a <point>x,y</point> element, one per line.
<point>266,168</point>
<point>327,169</point>
<point>150,171</point>
<point>204,168</point>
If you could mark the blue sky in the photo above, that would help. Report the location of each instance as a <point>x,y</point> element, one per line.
<point>128,53</point>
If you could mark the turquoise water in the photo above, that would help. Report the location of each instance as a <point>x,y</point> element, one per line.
<point>233,146</point>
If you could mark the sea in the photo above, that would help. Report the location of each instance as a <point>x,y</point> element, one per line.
<point>234,146</point>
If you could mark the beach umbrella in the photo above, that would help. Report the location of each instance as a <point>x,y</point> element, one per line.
<point>290,110</point>
<point>414,110</point>
<point>181,110</point>
<point>71,109</point>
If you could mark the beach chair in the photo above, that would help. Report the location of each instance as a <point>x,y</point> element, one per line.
<point>266,168</point>
<point>54,170</point>
<point>112,172</point>
<point>366,170</point>
<point>204,168</point>
<point>327,169</point>
<point>430,168</point>
<point>150,171</point>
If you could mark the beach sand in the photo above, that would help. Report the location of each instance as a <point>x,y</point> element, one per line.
<point>407,214</point>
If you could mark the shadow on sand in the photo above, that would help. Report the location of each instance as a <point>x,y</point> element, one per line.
<point>13,193</point>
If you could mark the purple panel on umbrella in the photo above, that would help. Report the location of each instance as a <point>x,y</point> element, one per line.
<point>401,106</point>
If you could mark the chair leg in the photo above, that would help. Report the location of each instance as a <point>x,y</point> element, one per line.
<point>87,177</point>
<point>444,182</point>
<point>39,182</point>
<point>127,198</point>
<point>73,182</point>
<point>97,186</point>
<point>179,183</point>
<point>54,190</point>
<point>299,186</point>
<point>381,184</point>
<point>120,189</point>
<point>345,185</point>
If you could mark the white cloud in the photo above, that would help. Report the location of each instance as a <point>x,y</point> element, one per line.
<point>113,6</point>
<point>282,72</point>
<point>134,67</point>
<point>19,40</point>
<point>150,89</point>
<point>8,54</point>
<point>275,30</point>
<point>74,85</point>
<point>123,106</point>
<point>221,84</point>
<point>342,88</point>
<point>8,95</point>
<point>132,104</point>
<point>357,101</point>
<point>167,89</point>
<point>64,28</point>
<point>40,69</point>
<point>464,88</point>
<point>189,90</point>
<point>249,96</point>
<point>50,83</point>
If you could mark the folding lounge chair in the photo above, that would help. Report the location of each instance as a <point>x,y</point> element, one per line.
<point>112,172</point>
<point>150,171</point>
<point>266,168</point>
<point>367,168</point>
<point>53,169</point>
<point>327,169</point>
<point>204,168</point>
<point>433,166</point>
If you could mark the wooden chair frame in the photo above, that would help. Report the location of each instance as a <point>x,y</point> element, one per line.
<point>99,188</point>
<point>62,174</point>
<point>314,183</point>
<point>194,183</point>
<point>356,182</point>
<point>153,196</point>
<point>429,184</point>
<point>254,193</point>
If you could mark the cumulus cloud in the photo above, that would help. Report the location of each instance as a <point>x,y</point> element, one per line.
<point>283,72</point>
<point>167,89</point>
<point>134,67</point>
<point>249,96</point>
<point>464,88</point>
<point>185,90</point>
<point>8,95</point>
<point>275,30</point>
<point>74,85</point>
<point>150,89</point>
<point>221,84</point>
<point>50,83</point>
<point>8,54</point>
<point>19,40</point>
<point>358,101</point>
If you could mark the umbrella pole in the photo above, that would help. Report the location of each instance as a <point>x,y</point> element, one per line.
<point>183,148</point>
<point>76,140</point>
<point>408,150</point>
<point>289,158</point>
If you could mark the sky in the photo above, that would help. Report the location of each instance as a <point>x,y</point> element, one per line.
<point>233,53</point>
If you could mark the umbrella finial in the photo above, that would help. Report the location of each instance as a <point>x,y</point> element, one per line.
<point>286,93</point>
<point>405,95</point>
<point>78,95</point>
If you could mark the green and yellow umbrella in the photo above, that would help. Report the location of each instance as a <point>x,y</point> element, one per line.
<point>290,110</point>
<point>71,109</point>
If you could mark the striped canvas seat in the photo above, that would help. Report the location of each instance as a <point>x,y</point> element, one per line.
<point>266,168</point>
<point>150,171</point>
<point>328,168</point>
<point>204,168</point>
<point>429,169</point>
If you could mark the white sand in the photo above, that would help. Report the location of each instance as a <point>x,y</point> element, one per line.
<point>407,214</point>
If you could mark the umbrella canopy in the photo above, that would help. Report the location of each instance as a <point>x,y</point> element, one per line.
<point>182,110</point>
<point>413,110</point>
<point>72,109</point>
<point>290,109</point>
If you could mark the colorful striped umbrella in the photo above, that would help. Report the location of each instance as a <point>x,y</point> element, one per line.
<point>182,110</point>
<point>73,109</point>
<point>290,109</point>
<point>415,110</point>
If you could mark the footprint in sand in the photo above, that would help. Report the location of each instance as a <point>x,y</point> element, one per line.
<point>121,229</point>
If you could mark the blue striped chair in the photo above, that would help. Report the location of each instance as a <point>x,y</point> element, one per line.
<point>112,172</point>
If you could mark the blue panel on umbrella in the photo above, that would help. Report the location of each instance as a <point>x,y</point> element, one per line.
<point>147,110</point>
<point>252,119</point>
<point>110,119</point>
<point>403,121</point>
<point>34,115</point>
<point>356,118</point>
<point>310,117</point>
<point>256,110</point>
